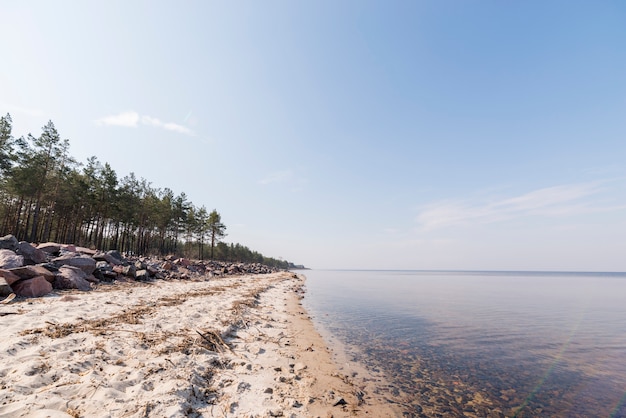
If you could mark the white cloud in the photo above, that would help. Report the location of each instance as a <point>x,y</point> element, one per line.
<point>126,119</point>
<point>551,201</point>
<point>132,119</point>
<point>170,126</point>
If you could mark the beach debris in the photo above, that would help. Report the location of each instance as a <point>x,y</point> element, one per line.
<point>213,341</point>
<point>8,299</point>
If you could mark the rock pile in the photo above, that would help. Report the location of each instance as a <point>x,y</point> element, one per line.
<point>30,270</point>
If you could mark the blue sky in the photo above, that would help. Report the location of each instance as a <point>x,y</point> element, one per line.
<point>350,134</point>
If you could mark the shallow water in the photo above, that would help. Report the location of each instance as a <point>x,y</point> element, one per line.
<point>483,343</point>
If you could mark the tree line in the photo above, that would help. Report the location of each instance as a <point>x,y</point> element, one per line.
<point>46,195</point>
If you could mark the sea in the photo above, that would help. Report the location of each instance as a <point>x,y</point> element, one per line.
<point>481,343</point>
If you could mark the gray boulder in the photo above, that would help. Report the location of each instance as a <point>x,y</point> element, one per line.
<point>70,277</point>
<point>31,254</point>
<point>84,262</point>
<point>108,258</point>
<point>49,247</point>
<point>9,260</point>
<point>8,242</point>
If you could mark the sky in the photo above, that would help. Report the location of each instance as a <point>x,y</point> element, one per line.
<point>426,134</point>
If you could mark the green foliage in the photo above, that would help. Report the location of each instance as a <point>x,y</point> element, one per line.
<point>45,195</point>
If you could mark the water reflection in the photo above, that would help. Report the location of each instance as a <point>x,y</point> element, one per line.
<point>484,344</point>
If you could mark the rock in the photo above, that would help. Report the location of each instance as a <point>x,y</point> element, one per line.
<point>28,272</point>
<point>129,271</point>
<point>32,288</point>
<point>152,269</point>
<point>340,402</point>
<point>70,277</point>
<point>88,251</point>
<point>116,254</point>
<point>299,367</point>
<point>49,247</point>
<point>118,269</point>
<point>9,276</point>
<point>68,248</point>
<point>8,242</point>
<point>9,260</point>
<point>5,289</point>
<point>142,275</point>
<point>108,258</point>
<point>167,266</point>
<point>84,262</point>
<point>31,254</point>
<point>182,262</point>
<point>140,265</point>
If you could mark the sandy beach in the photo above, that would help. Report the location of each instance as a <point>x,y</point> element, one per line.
<point>221,347</point>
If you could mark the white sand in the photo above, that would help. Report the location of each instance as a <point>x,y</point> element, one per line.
<point>134,350</point>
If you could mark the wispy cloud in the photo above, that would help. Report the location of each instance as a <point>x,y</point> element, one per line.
<point>132,119</point>
<point>170,126</point>
<point>551,201</point>
<point>127,119</point>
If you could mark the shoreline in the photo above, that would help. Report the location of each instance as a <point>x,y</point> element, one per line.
<point>229,346</point>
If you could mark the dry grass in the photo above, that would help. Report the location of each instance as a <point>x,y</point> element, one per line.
<point>73,412</point>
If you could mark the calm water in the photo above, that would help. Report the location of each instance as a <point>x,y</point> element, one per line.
<point>483,343</point>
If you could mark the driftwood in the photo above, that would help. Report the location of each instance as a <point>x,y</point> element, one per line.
<point>8,298</point>
<point>214,341</point>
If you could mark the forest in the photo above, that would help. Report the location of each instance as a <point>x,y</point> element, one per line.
<point>46,195</point>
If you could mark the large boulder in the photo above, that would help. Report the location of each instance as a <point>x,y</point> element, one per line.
<point>31,254</point>
<point>9,260</point>
<point>84,262</point>
<point>8,242</point>
<point>32,288</point>
<point>9,276</point>
<point>50,247</point>
<point>87,251</point>
<point>104,272</point>
<point>109,258</point>
<point>70,277</point>
<point>116,254</point>
<point>28,272</point>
